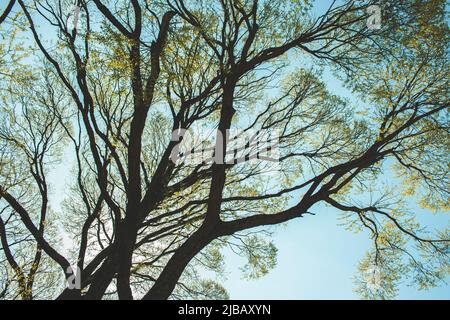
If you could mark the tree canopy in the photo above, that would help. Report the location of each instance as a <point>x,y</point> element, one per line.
<point>100,87</point>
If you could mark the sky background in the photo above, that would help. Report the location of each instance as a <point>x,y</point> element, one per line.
<point>317,258</point>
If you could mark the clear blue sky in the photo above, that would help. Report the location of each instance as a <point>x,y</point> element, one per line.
<point>317,259</point>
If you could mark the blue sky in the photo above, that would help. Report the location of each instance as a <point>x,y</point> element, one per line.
<point>317,259</point>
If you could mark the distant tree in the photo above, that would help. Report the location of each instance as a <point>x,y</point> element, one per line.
<point>101,87</point>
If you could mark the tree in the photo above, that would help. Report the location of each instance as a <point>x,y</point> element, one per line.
<point>111,89</point>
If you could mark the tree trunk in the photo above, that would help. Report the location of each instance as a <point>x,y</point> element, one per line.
<point>168,278</point>
<point>127,241</point>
